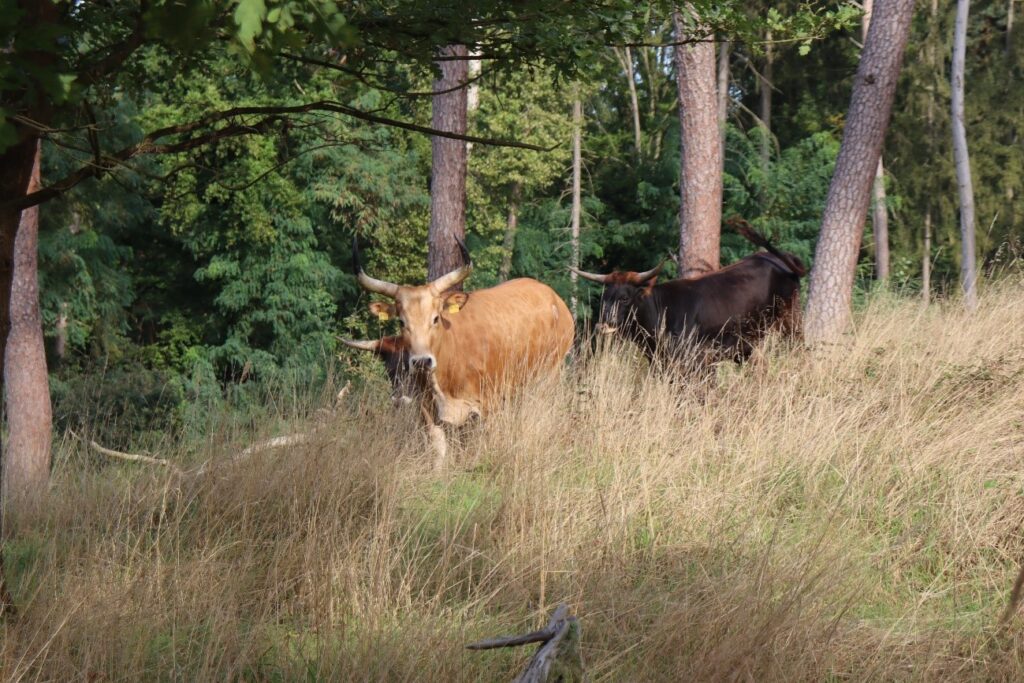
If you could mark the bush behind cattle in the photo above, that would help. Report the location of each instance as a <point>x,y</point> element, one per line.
<point>848,513</point>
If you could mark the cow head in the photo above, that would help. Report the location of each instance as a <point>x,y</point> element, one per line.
<point>392,351</point>
<point>423,311</point>
<point>624,293</point>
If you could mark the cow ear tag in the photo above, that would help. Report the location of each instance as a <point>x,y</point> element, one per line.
<point>383,317</point>
<point>453,308</point>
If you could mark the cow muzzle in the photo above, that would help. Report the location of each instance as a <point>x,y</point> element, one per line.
<point>425,362</point>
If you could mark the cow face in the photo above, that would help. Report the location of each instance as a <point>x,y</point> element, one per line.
<point>621,298</point>
<point>423,311</point>
<point>423,314</point>
<point>624,293</point>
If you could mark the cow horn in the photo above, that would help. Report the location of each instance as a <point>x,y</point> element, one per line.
<point>648,274</point>
<point>449,280</point>
<point>361,344</point>
<point>593,277</point>
<point>369,283</point>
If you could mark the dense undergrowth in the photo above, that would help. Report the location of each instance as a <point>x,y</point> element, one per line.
<point>848,513</point>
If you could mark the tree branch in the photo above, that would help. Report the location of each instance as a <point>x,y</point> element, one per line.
<point>121,455</point>
<point>119,52</point>
<point>150,145</point>
<point>361,76</point>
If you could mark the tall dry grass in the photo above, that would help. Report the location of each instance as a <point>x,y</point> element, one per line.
<point>849,513</point>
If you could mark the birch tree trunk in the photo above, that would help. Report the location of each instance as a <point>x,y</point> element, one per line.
<point>880,224</point>
<point>767,74</point>
<point>968,273</point>
<point>1009,25</point>
<point>626,60</point>
<point>577,178</point>
<point>511,228</point>
<point>700,168</point>
<point>26,462</point>
<point>879,210</point>
<point>448,166</point>
<point>926,258</point>
<point>846,206</point>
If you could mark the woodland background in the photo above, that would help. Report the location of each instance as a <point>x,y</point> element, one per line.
<point>203,274</point>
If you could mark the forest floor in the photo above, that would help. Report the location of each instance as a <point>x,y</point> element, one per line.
<point>852,513</point>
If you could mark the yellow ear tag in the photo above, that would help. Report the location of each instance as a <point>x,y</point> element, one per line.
<point>383,317</point>
<point>453,308</point>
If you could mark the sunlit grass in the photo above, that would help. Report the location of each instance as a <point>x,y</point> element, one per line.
<point>854,512</point>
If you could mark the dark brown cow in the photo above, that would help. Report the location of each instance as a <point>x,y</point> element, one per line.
<point>395,356</point>
<point>731,308</point>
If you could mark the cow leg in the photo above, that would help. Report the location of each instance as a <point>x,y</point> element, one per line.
<point>436,437</point>
<point>439,443</point>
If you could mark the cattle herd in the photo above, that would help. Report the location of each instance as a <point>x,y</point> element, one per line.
<point>460,353</point>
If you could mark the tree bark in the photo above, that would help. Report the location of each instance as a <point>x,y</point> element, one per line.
<point>879,210</point>
<point>448,166</point>
<point>846,206</point>
<point>26,462</point>
<point>723,91</point>
<point>16,166</point>
<point>511,227</point>
<point>577,178</point>
<point>968,275</point>
<point>700,172</point>
<point>767,75</point>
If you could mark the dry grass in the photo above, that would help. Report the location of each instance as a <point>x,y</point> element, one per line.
<point>852,513</point>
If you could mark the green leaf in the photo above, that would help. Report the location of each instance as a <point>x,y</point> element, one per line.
<point>804,49</point>
<point>249,16</point>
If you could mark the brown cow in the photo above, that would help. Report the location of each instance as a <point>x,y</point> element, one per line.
<point>474,348</point>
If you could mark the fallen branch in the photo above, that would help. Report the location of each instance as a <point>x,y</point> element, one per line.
<point>296,439</point>
<point>131,457</point>
<point>559,652</point>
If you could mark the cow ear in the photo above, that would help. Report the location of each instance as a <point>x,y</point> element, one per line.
<point>454,302</point>
<point>383,311</point>
<point>649,285</point>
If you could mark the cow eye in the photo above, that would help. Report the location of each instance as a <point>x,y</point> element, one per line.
<point>437,319</point>
<point>401,322</point>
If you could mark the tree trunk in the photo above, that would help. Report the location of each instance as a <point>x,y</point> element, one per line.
<point>926,258</point>
<point>577,177</point>
<point>723,91</point>
<point>17,164</point>
<point>509,243</point>
<point>60,335</point>
<point>26,463</point>
<point>448,167</point>
<point>880,224</point>
<point>1009,25</point>
<point>700,172</point>
<point>846,207</point>
<point>968,276</point>
<point>625,58</point>
<point>767,75</point>
<point>879,211</point>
